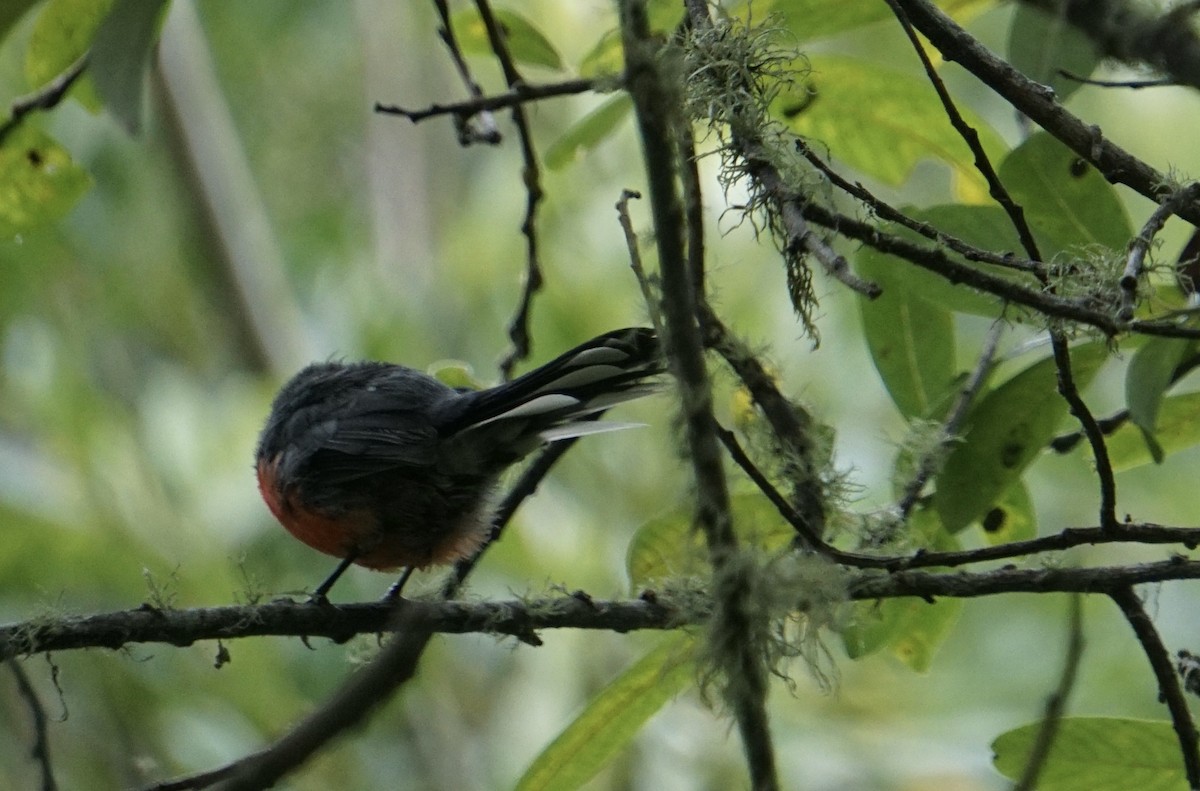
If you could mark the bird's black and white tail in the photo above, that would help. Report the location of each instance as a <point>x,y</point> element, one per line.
<point>554,401</point>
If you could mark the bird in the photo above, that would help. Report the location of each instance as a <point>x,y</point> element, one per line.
<point>386,467</point>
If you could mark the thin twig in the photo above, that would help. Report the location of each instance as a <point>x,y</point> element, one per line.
<point>948,432</point>
<point>1168,682</point>
<point>1057,702</point>
<point>365,691</point>
<point>1140,246</point>
<point>44,98</point>
<point>809,537</point>
<point>518,327</point>
<point>1064,443</point>
<point>937,261</point>
<point>1145,533</point>
<point>647,286</point>
<point>522,93</point>
<point>983,163</point>
<point>792,425</point>
<point>41,736</point>
<point>1091,430</point>
<point>479,127</point>
<point>523,489</point>
<point>889,213</point>
<point>797,233</point>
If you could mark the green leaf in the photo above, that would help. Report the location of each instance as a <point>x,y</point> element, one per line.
<point>668,546</point>
<point>39,183</point>
<point>1004,434</point>
<point>11,12</point>
<point>120,54</point>
<point>1012,518</point>
<point>808,20</point>
<point>606,57</point>
<point>61,35</point>
<point>1147,380</point>
<point>912,628</point>
<point>880,121</point>
<point>1098,754</point>
<point>1041,44</point>
<point>525,42</point>
<point>1067,203</point>
<point>613,718</point>
<point>911,340</point>
<point>1178,429</point>
<point>588,132</point>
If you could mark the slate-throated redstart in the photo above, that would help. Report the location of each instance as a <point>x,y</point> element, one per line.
<point>384,466</point>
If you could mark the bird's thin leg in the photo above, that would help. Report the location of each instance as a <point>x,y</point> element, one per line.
<point>394,591</point>
<point>319,595</point>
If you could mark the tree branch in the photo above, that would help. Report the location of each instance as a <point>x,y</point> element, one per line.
<point>657,609</point>
<point>1057,703</point>
<point>45,98</point>
<point>1168,683</point>
<point>1039,103</point>
<point>657,107</point>
<point>41,737</point>
<point>518,94</point>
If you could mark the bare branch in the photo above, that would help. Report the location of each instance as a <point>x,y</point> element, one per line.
<point>887,212</point>
<point>521,93</point>
<point>1057,703</point>
<point>41,737</point>
<point>983,164</point>
<point>366,690</point>
<point>1168,683</point>
<point>1091,430</point>
<point>1140,247</point>
<point>518,327</point>
<point>656,610</point>
<point>476,128</point>
<point>1039,103</point>
<point>948,432</point>
<point>45,98</point>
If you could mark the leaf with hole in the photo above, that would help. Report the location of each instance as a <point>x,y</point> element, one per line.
<point>1067,202</point>
<point>41,181</point>
<point>1003,435</point>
